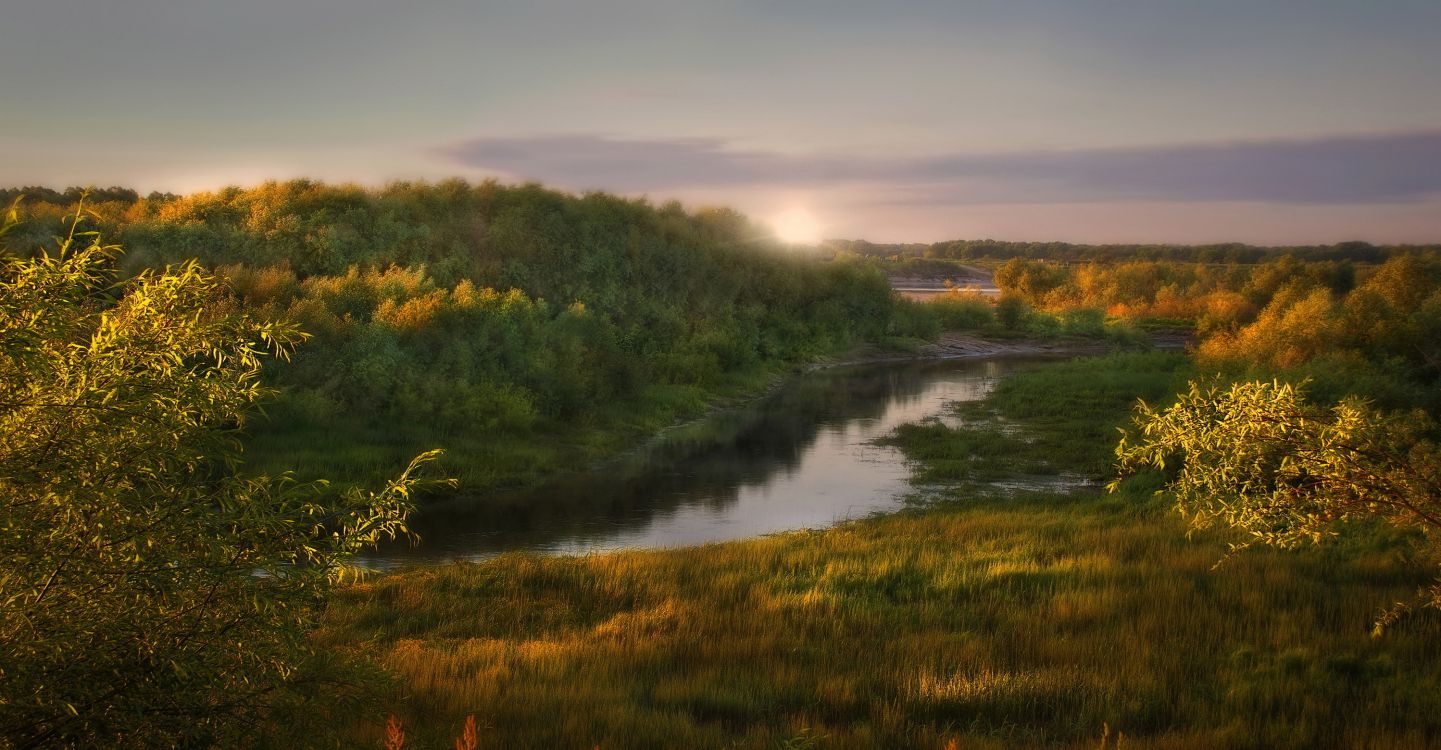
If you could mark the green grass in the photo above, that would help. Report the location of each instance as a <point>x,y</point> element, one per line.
<point>996,619</point>
<point>1057,418</point>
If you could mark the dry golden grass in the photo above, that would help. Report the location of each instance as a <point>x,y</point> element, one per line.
<point>982,621</point>
<point>1033,624</point>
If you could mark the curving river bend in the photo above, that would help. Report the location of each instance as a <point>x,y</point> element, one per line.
<point>802,457</point>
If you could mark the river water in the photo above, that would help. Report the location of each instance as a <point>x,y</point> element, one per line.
<point>802,457</point>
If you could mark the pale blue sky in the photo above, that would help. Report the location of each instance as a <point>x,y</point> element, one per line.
<point>1264,121</point>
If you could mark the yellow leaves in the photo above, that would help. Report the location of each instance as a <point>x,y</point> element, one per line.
<point>1294,328</point>
<point>259,286</point>
<point>412,315</point>
<point>1257,457</point>
<point>465,295</point>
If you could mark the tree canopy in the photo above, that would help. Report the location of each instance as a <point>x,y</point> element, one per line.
<point>444,311</point>
<point>151,593</point>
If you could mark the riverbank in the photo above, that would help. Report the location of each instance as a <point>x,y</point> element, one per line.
<point>803,456</point>
<point>624,430</point>
<point>985,618</point>
<point>976,345</point>
<point>486,461</point>
<point>968,345</point>
<point>682,484</point>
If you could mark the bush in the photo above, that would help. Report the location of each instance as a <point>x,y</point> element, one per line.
<point>150,593</point>
<point>1011,311</point>
<point>962,311</point>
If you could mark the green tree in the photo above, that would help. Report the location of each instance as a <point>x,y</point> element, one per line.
<point>1257,457</point>
<point>150,592</point>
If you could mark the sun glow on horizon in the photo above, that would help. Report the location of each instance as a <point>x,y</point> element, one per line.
<point>796,226</point>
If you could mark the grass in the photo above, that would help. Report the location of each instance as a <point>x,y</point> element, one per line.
<point>1060,418</point>
<point>988,618</point>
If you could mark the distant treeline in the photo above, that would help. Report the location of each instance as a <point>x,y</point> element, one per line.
<point>71,195</point>
<point>511,320</point>
<point>1065,252</point>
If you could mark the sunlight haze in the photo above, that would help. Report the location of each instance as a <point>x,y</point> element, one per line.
<point>1289,121</point>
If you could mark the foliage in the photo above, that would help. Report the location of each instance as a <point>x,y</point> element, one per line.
<point>994,619</point>
<point>150,593</point>
<point>1011,316</point>
<point>74,196</point>
<point>960,310</point>
<point>1257,457</point>
<point>1029,280</point>
<point>1211,298</point>
<point>445,310</point>
<point>912,320</point>
<point>1393,315</point>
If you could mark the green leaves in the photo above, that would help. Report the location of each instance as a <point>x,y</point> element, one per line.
<point>150,593</point>
<point>1255,456</point>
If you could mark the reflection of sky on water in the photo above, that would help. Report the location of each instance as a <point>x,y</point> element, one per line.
<point>801,458</point>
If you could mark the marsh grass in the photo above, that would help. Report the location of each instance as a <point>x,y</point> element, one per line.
<point>982,620</point>
<point>1055,418</point>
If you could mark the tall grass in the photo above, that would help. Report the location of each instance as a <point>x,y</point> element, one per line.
<point>984,619</point>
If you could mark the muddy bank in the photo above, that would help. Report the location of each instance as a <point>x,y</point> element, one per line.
<point>956,344</point>
<point>924,286</point>
<point>965,345</point>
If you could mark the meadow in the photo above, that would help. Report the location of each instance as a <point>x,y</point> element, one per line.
<point>988,615</point>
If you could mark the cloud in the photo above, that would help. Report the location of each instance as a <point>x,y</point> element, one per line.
<point>1331,170</point>
<point>591,161</point>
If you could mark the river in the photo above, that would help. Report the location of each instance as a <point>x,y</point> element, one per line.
<point>802,457</point>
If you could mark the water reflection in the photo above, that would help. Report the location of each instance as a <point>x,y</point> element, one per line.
<point>800,458</point>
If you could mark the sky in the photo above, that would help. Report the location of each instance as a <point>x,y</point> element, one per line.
<point>1263,121</point>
